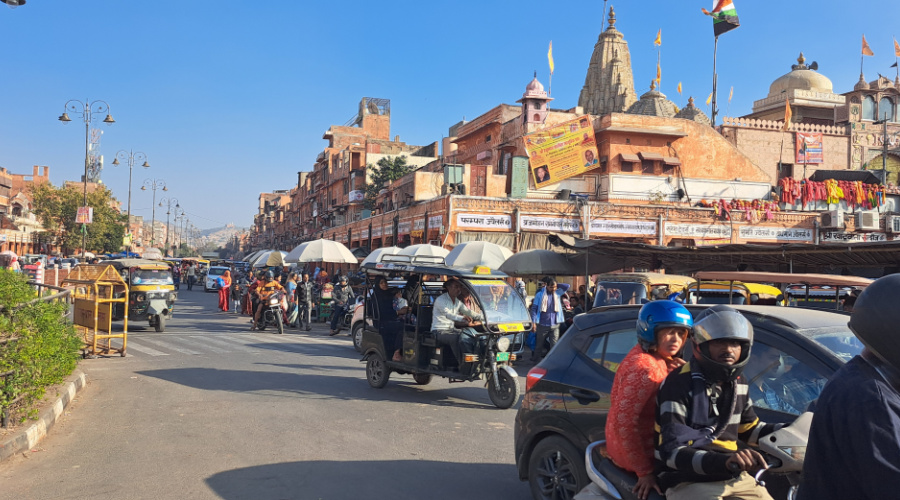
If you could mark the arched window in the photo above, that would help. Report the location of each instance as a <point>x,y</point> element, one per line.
<point>886,109</point>
<point>868,108</point>
<point>537,105</point>
<point>537,117</point>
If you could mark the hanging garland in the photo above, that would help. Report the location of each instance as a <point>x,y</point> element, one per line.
<point>855,193</point>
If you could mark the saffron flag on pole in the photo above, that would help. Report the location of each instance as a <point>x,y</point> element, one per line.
<point>709,99</point>
<point>679,88</point>
<point>730,95</point>
<point>724,16</point>
<point>866,50</point>
<point>658,74</point>
<point>896,48</point>
<point>550,56</point>
<point>787,115</point>
<point>658,40</point>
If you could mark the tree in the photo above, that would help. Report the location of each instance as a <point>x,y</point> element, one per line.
<point>57,208</point>
<point>386,170</point>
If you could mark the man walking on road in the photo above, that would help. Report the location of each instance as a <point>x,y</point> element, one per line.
<point>191,276</point>
<point>304,297</point>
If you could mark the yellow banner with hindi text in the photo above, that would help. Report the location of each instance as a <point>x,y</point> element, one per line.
<point>562,151</point>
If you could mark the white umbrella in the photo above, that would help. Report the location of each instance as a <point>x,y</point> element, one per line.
<point>90,255</point>
<point>150,253</point>
<point>272,258</point>
<point>379,253</point>
<point>251,258</point>
<point>424,250</point>
<point>259,254</point>
<point>321,250</point>
<point>478,253</point>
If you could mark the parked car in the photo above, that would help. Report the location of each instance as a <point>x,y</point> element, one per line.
<point>567,394</point>
<point>210,280</point>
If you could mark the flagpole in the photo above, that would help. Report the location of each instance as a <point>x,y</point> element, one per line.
<point>715,78</point>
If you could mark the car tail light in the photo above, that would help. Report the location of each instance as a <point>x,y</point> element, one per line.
<point>533,376</point>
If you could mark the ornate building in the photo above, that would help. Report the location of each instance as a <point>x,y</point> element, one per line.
<point>609,84</point>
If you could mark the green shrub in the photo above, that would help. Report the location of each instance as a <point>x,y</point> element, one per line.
<point>37,343</point>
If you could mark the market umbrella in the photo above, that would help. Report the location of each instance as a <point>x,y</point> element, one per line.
<point>425,250</point>
<point>379,253</point>
<point>272,258</point>
<point>150,253</point>
<point>252,257</point>
<point>91,255</point>
<point>539,261</point>
<point>7,257</point>
<point>321,250</point>
<point>478,253</point>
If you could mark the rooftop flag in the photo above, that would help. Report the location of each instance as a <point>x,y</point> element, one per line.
<point>550,56</point>
<point>724,16</point>
<point>896,48</point>
<point>679,88</point>
<point>787,115</point>
<point>658,40</point>
<point>866,50</point>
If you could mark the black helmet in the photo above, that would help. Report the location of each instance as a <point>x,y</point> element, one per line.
<point>270,275</point>
<point>874,317</point>
<point>343,279</point>
<point>721,323</point>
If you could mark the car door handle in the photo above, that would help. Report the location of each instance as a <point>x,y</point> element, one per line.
<point>584,397</point>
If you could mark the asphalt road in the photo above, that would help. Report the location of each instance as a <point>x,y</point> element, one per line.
<point>210,410</point>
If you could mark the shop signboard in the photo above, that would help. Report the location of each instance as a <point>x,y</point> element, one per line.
<point>849,237</point>
<point>376,231</point>
<point>769,233</point>
<point>553,224</point>
<point>483,221</point>
<point>702,231</point>
<point>404,227</point>
<point>635,227</point>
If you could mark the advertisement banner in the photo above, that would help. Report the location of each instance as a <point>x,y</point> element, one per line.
<point>635,227</point>
<point>519,180</point>
<point>555,224</point>
<point>812,154</point>
<point>703,231</point>
<point>562,151</point>
<point>845,237</point>
<point>767,233</point>
<point>483,221</point>
<point>85,215</point>
<point>357,196</point>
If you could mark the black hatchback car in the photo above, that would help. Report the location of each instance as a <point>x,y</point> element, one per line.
<point>567,394</point>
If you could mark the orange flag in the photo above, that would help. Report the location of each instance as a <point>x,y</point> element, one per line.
<point>866,50</point>
<point>787,115</point>
<point>896,48</point>
<point>658,40</point>
<point>550,56</point>
<point>658,74</point>
<point>679,88</point>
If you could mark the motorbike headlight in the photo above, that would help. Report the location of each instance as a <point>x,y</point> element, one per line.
<point>140,297</point>
<point>274,302</point>
<point>503,344</point>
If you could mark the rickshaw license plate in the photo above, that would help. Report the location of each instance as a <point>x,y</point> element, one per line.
<point>502,356</point>
<point>510,327</point>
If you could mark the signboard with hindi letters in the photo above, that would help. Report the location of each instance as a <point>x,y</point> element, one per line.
<point>404,227</point>
<point>812,153</point>
<point>768,233</point>
<point>435,222</point>
<point>562,151</point>
<point>554,224</point>
<point>376,232</point>
<point>483,221</point>
<point>85,215</point>
<point>846,237</point>
<point>635,227</point>
<point>698,230</point>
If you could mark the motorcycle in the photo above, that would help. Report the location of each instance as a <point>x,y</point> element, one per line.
<point>783,450</point>
<point>272,313</point>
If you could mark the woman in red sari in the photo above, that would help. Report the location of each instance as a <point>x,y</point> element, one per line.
<point>224,290</point>
<point>662,328</point>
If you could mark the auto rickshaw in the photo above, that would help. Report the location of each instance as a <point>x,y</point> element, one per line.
<point>423,354</point>
<point>152,291</point>
<point>633,288</point>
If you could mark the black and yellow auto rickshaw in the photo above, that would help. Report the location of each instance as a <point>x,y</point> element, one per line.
<point>152,291</point>
<point>425,353</point>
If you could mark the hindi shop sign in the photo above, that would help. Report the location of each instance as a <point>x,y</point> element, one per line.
<point>435,222</point>
<point>404,227</point>
<point>768,233</point>
<point>703,231</point>
<point>418,224</point>
<point>845,237</point>
<point>376,231</point>
<point>483,221</point>
<point>555,224</point>
<point>635,227</point>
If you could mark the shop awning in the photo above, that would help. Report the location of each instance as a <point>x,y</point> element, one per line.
<point>630,158</point>
<point>647,155</point>
<point>671,160</point>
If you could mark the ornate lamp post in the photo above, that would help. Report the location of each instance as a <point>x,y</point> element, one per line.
<point>153,184</point>
<point>130,157</point>
<point>86,111</point>
<point>169,203</point>
<point>179,221</point>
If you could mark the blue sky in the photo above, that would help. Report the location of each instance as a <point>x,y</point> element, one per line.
<point>230,99</point>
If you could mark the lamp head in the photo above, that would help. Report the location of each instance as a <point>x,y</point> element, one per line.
<point>165,188</point>
<point>146,165</point>
<point>12,4</point>
<point>115,162</point>
<point>63,117</point>
<point>109,119</point>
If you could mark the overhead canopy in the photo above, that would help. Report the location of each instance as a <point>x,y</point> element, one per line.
<point>798,278</point>
<point>604,255</point>
<point>865,176</point>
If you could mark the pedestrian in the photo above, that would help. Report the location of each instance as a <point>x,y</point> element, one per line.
<point>191,276</point>
<point>291,287</point>
<point>520,288</point>
<point>176,276</point>
<point>342,294</point>
<point>304,297</point>
<point>854,440</point>
<point>322,278</point>
<point>224,283</point>
<point>547,314</point>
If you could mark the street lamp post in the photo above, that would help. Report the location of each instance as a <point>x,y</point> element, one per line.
<point>179,222</point>
<point>169,203</point>
<point>130,157</point>
<point>153,184</point>
<point>86,111</point>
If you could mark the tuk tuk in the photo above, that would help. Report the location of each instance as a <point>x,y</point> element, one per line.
<point>634,288</point>
<point>424,353</point>
<point>810,290</point>
<point>152,291</point>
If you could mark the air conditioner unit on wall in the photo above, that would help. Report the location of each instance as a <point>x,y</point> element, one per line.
<point>833,219</point>
<point>892,224</point>
<point>868,221</point>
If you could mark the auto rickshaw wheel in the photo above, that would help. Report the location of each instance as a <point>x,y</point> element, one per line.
<point>422,378</point>
<point>509,391</point>
<point>377,371</point>
<point>160,323</point>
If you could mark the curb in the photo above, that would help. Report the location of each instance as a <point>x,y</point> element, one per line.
<point>23,440</point>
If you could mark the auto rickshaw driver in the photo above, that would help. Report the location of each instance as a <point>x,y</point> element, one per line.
<point>452,317</point>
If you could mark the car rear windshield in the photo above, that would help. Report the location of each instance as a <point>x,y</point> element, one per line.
<point>217,271</point>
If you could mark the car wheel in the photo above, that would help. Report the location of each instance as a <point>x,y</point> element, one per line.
<point>357,333</point>
<point>556,470</point>
<point>377,371</point>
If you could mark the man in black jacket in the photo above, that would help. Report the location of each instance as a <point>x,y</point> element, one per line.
<point>304,296</point>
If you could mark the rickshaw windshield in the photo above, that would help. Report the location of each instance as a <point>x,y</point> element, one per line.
<point>502,304</point>
<point>151,277</point>
<point>611,293</point>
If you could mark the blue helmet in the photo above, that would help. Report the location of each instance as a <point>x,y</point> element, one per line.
<point>660,314</point>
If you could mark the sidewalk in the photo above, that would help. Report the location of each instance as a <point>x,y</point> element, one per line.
<point>33,432</point>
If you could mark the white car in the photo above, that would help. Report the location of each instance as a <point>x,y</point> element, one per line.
<point>210,284</point>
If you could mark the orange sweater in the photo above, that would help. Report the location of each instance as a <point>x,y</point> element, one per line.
<point>629,425</point>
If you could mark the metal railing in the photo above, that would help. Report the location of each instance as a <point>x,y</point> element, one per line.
<point>60,294</point>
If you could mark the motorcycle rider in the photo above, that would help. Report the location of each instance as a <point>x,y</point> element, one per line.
<point>304,296</point>
<point>342,294</point>
<point>854,440</point>
<point>703,410</point>
<point>264,288</point>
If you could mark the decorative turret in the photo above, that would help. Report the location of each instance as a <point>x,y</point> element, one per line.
<point>691,112</point>
<point>653,103</point>
<point>534,103</point>
<point>609,84</point>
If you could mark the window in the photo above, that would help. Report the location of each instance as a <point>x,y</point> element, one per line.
<point>627,166</point>
<point>785,170</point>
<point>487,138</point>
<point>886,109</point>
<point>647,167</point>
<point>609,350</point>
<point>537,105</point>
<point>868,112</point>
<point>668,169</point>
<point>627,141</point>
<point>780,382</point>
